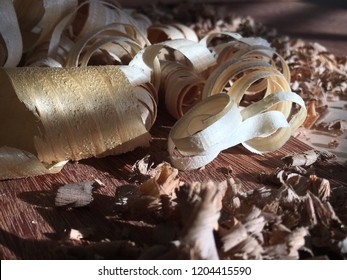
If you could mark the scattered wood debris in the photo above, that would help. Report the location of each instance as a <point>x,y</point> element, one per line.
<point>203,203</point>
<point>308,158</point>
<point>336,128</point>
<point>294,217</point>
<point>142,169</point>
<point>163,182</point>
<point>78,234</point>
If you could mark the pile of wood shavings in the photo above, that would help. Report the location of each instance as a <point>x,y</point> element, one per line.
<point>317,75</point>
<point>291,218</point>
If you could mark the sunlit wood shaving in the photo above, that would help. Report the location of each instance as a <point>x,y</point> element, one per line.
<point>221,61</point>
<point>78,234</point>
<point>163,182</point>
<point>102,117</point>
<point>38,19</point>
<point>11,43</point>
<point>199,135</point>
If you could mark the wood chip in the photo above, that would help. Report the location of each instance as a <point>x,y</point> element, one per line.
<point>308,158</point>
<point>78,234</point>
<point>75,194</point>
<point>333,143</point>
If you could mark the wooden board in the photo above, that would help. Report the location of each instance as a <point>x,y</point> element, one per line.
<point>33,228</point>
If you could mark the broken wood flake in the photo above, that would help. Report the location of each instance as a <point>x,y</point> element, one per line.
<point>336,128</point>
<point>163,182</point>
<point>308,158</point>
<point>78,234</point>
<point>75,194</point>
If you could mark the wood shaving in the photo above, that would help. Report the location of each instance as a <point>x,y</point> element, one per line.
<point>312,115</point>
<point>143,166</point>
<point>308,158</point>
<point>74,195</point>
<point>337,127</point>
<point>78,234</point>
<point>333,143</point>
<point>163,182</point>
<point>297,213</point>
<point>203,202</point>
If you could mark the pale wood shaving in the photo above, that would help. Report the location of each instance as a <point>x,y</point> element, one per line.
<point>75,195</point>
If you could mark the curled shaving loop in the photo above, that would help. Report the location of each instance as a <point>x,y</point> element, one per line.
<point>261,127</point>
<point>216,124</point>
<point>121,46</point>
<point>238,46</point>
<point>37,19</point>
<point>11,44</point>
<point>199,58</point>
<point>61,126</point>
<point>162,32</point>
<point>84,20</point>
<point>205,85</point>
<point>181,87</point>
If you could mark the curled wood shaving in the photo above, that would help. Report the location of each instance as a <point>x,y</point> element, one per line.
<point>160,32</point>
<point>285,244</point>
<point>312,115</point>
<point>333,143</point>
<point>245,238</point>
<point>299,180</point>
<point>154,196</point>
<point>220,62</point>
<point>61,126</point>
<point>142,169</point>
<point>11,44</point>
